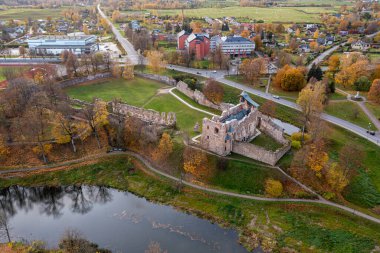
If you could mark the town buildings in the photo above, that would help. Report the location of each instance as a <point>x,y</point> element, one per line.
<point>55,45</point>
<point>194,43</point>
<point>233,45</point>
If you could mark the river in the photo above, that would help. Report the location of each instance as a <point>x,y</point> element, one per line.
<point>116,220</point>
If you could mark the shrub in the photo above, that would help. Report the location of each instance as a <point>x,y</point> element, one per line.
<point>298,137</point>
<point>273,188</point>
<point>296,144</point>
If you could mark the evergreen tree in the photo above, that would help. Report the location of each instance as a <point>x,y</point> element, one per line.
<point>316,72</point>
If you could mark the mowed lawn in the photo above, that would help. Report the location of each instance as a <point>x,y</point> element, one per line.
<point>186,117</point>
<point>275,14</point>
<point>374,108</point>
<point>348,111</point>
<point>24,13</point>
<point>134,92</point>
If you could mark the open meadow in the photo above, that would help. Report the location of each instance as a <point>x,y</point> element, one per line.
<point>274,14</point>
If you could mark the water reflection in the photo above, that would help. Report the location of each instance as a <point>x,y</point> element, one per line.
<point>49,199</point>
<point>119,221</point>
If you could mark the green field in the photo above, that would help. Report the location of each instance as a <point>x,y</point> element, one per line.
<point>186,117</point>
<point>274,14</point>
<point>346,110</point>
<point>374,108</point>
<point>24,13</point>
<point>134,92</point>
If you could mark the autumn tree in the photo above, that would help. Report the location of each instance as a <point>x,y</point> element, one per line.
<point>85,29</point>
<point>252,69</point>
<point>213,91</point>
<point>96,115</point>
<point>115,16</point>
<point>334,63</point>
<point>289,78</point>
<point>116,70</point>
<point>350,159</point>
<point>66,128</point>
<point>72,64</point>
<point>4,150</point>
<point>317,157</point>
<point>195,162</point>
<point>164,148</point>
<point>245,34</point>
<point>128,71</point>
<point>335,178</point>
<point>374,91</point>
<point>156,61</point>
<point>268,108</point>
<point>311,101</point>
<point>273,188</point>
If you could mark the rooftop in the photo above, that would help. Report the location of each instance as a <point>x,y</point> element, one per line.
<point>62,37</point>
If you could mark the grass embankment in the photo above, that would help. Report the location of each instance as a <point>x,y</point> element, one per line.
<point>304,227</point>
<point>195,104</point>
<point>348,111</point>
<point>134,92</point>
<point>186,117</point>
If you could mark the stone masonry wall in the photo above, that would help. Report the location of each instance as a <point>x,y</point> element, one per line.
<point>199,97</point>
<point>147,115</point>
<point>164,79</point>
<point>258,153</point>
<point>272,129</point>
<point>79,80</point>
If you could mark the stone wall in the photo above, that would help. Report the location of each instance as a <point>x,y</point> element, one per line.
<point>147,115</point>
<point>159,78</point>
<point>79,80</point>
<point>272,129</point>
<point>258,153</point>
<point>200,98</point>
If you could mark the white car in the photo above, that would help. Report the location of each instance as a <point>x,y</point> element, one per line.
<point>276,97</point>
<point>214,71</point>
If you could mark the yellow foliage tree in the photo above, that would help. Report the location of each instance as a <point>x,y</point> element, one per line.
<point>195,162</point>
<point>164,148</point>
<point>273,188</point>
<point>39,77</point>
<point>317,158</point>
<point>4,150</point>
<point>128,71</point>
<point>334,62</point>
<point>43,149</point>
<point>245,34</point>
<point>85,29</point>
<point>311,99</point>
<point>335,178</point>
<point>156,61</point>
<point>316,34</point>
<point>115,16</point>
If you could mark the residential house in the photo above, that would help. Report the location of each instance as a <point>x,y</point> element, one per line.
<point>360,45</point>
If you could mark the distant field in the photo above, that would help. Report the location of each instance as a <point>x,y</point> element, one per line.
<point>275,14</point>
<point>23,13</point>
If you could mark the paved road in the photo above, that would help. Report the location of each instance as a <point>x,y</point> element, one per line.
<point>322,56</point>
<point>201,188</point>
<point>219,75</point>
<point>132,54</point>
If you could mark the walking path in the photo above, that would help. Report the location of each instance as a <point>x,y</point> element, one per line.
<point>201,188</point>
<point>370,115</point>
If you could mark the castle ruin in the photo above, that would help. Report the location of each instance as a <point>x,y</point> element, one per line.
<point>237,127</point>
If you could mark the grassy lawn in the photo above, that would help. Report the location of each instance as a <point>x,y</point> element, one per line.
<point>301,226</point>
<point>348,111</point>
<point>186,117</point>
<point>266,142</point>
<point>195,104</point>
<point>337,96</point>
<point>134,92</point>
<point>374,108</point>
<point>24,13</point>
<point>283,14</point>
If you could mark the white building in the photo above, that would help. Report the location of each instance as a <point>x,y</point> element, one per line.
<point>55,45</point>
<point>360,45</point>
<point>232,45</point>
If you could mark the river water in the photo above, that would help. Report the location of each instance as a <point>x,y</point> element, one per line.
<point>119,221</point>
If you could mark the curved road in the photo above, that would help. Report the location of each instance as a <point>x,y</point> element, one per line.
<point>201,188</point>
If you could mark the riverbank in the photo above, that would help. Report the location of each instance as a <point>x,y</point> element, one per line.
<point>275,225</point>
